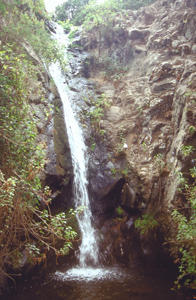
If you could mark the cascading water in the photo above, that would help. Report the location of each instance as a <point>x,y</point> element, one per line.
<point>83,282</point>
<point>88,249</point>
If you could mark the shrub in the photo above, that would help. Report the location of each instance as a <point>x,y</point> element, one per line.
<point>24,26</point>
<point>185,239</point>
<point>187,150</point>
<point>98,112</point>
<point>24,227</point>
<point>146,223</point>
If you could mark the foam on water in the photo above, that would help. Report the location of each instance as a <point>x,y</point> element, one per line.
<point>90,274</point>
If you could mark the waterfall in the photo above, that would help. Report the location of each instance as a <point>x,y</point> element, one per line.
<point>88,251</point>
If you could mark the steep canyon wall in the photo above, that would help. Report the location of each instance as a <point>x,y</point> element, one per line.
<point>136,148</point>
<point>153,102</point>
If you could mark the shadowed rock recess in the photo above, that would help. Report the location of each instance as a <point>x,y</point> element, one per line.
<point>135,142</point>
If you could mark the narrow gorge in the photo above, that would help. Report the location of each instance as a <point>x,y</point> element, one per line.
<point>145,116</point>
<point>119,132</point>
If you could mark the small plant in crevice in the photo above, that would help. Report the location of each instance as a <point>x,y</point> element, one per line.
<point>111,69</point>
<point>190,94</point>
<point>121,132</point>
<point>92,144</point>
<point>182,181</point>
<point>140,110</point>
<point>49,110</point>
<point>187,150</point>
<point>125,172</point>
<point>95,117</point>
<point>146,223</point>
<point>193,172</point>
<point>102,132</point>
<point>57,109</point>
<point>114,171</point>
<point>144,146</point>
<point>98,112</point>
<point>120,149</point>
<point>120,211</point>
<point>192,130</point>
<point>159,162</point>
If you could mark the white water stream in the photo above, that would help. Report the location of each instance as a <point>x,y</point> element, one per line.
<point>88,249</point>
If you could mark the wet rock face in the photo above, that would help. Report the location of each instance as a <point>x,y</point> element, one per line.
<point>51,131</point>
<point>121,242</point>
<point>104,186</point>
<point>58,169</point>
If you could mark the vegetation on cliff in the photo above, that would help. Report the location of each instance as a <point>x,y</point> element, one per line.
<point>27,228</point>
<point>184,249</point>
<point>78,12</point>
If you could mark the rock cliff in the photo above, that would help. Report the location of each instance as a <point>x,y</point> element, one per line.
<point>153,101</point>
<point>47,109</point>
<point>144,66</point>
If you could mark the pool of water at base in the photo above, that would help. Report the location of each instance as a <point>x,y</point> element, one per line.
<point>97,284</point>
